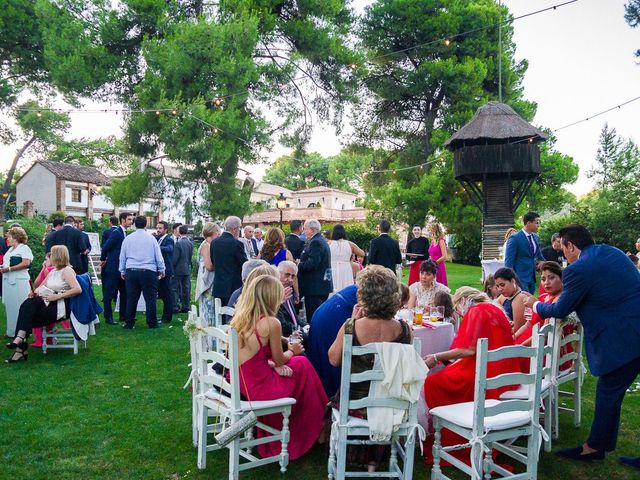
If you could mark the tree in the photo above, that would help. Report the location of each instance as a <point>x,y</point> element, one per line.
<point>632,16</point>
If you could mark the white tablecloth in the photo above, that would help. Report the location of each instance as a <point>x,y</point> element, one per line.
<point>434,340</point>
<point>489,267</point>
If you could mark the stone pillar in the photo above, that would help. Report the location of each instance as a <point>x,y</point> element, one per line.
<point>27,209</point>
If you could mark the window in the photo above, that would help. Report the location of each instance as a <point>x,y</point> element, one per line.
<point>76,195</point>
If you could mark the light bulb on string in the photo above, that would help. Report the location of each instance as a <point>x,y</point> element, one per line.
<point>39,114</point>
<point>353,66</point>
<point>447,42</point>
<point>217,102</point>
<point>158,112</point>
<point>215,130</point>
<point>174,112</point>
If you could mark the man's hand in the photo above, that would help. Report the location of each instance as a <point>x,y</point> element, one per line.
<point>160,276</point>
<point>296,349</point>
<point>288,291</point>
<point>122,276</point>
<point>528,300</point>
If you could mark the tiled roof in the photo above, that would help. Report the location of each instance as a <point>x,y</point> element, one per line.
<point>75,173</point>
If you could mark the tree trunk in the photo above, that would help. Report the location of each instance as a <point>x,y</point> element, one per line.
<point>4,192</point>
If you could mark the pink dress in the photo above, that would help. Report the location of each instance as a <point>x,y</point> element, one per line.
<point>263,383</point>
<point>435,253</point>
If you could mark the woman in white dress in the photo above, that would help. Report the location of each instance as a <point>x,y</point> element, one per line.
<point>15,276</point>
<point>206,273</point>
<point>342,250</point>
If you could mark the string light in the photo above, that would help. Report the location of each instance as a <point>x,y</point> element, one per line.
<point>217,102</point>
<point>447,42</point>
<point>39,114</point>
<point>174,112</point>
<point>158,112</point>
<point>215,130</point>
<point>353,66</point>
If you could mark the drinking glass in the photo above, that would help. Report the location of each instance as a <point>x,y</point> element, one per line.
<point>417,319</point>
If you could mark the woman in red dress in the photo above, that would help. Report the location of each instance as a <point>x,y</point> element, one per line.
<point>268,373</point>
<point>481,318</point>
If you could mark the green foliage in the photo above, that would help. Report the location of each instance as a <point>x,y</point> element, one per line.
<point>632,16</point>
<point>56,214</point>
<point>130,188</point>
<point>35,229</point>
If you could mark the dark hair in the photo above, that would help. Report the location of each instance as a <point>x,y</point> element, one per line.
<point>530,217</point>
<point>176,225</point>
<point>113,220</point>
<point>507,274</point>
<point>69,219</point>
<point>124,216</point>
<point>57,222</point>
<point>443,299</point>
<point>553,267</point>
<point>140,221</point>
<point>338,232</point>
<point>633,258</point>
<point>295,225</point>
<point>489,282</point>
<point>418,226</point>
<point>385,226</point>
<point>183,229</point>
<point>576,234</point>
<point>428,266</point>
<point>405,294</point>
<point>164,224</point>
<point>554,237</point>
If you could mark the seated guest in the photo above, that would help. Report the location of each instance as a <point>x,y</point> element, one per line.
<point>510,288</point>
<point>287,312</point>
<point>422,292</point>
<point>48,304</point>
<point>489,287</point>
<point>325,324</point>
<point>247,268</point>
<point>46,268</point>
<point>443,299</point>
<point>405,313</point>
<point>274,250</point>
<point>481,318</point>
<point>372,321</point>
<point>259,338</point>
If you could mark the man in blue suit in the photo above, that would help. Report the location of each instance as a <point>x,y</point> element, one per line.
<point>523,252</point>
<point>603,287</point>
<point>112,282</point>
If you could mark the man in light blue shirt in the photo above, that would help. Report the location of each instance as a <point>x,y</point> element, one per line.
<point>141,266</point>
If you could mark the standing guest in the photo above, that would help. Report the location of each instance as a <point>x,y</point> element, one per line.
<point>274,250</point>
<point>175,235</point>
<point>288,271</point>
<point>325,325</point>
<point>182,255</point>
<point>206,273</point>
<point>385,250</point>
<point>15,276</point>
<point>523,251</point>
<point>269,373</point>
<point>422,292</point>
<point>250,244</point>
<point>165,292</point>
<point>417,252</point>
<point>507,235</point>
<point>47,231</point>
<point>510,288</point>
<point>553,253</point>
<point>141,265</point>
<point>481,318</point>
<point>73,239</point>
<point>293,241</point>
<point>46,309</point>
<point>228,255</point>
<point>113,225</point>
<point>342,250</point>
<point>257,234</point>
<point>84,255</point>
<point>4,246</point>
<point>603,288</point>
<point>57,225</point>
<point>314,269</point>
<point>247,268</point>
<point>112,282</point>
<point>175,231</point>
<point>438,251</point>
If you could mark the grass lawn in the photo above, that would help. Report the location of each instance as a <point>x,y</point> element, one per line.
<point>117,411</point>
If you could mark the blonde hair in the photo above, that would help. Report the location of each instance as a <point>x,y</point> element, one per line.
<point>471,295</point>
<point>18,234</point>
<point>509,232</point>
<point>209,229</point>
<point>261,297</point>
<point>59,256</point>
<point>436,231</point>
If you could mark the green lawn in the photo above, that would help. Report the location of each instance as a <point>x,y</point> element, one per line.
<point>117,411</point>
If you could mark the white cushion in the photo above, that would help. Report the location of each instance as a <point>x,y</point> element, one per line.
<point>213,394</point>
<point>522,392</point>
<point>462,414</point>
<point>351,421</point>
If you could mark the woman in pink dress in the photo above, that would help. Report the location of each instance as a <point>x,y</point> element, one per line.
<point>438,251</point>
<point>268,373</point>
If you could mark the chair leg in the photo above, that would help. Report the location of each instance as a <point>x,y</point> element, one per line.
<point>195,418</point>
<point>547,422</point>
<point>487,464</point>
<point>393,458</point>
<point>234,459</point>
<point>284,452</point>
<point>556,412</point>
<point>331,464</point>
<point>202,437</point>
<point>577,402</point>
<point>249,436</point>
<point>75,346</point>
<point>533,452</point>
<point>436,473</point>
<point>342,453</point>
<point>409,452</point>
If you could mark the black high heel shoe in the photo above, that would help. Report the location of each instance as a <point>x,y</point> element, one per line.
<point>24,356</point>
<point>13,345</point>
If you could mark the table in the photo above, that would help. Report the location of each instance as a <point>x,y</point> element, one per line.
<point>489,267</point>
<point>434,340</point>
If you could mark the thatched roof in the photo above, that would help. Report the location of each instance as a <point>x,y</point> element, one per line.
<point>494,122</point>
<point>75,173</point>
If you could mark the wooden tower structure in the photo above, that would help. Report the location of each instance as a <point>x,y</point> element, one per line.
<point>496,158</point>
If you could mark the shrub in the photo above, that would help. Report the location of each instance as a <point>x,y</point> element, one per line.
<point>35,229</point>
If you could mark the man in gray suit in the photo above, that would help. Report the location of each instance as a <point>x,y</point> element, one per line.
<point>182,253</point>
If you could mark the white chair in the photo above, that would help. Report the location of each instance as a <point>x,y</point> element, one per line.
<point>575,374</point>
<point>222,398</point>
<point>220,311</point>
<point>484,423</point>
<point>347,430</point>
<point>548,332</point>
<point>60,337</point>
<point>194,377</point>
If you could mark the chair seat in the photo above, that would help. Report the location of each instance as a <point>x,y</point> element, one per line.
<point>213,394</point>
<point>462,414</point>
<point>522,392</point>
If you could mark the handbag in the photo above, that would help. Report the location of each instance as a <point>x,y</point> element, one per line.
<point>14,260</point>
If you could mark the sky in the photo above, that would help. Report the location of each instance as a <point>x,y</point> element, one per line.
<point>581,62</point>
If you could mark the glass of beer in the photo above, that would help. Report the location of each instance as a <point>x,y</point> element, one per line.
<point>417,319</point>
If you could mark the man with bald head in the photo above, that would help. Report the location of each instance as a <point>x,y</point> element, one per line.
<point>228,255</point>
<point>314,269</point>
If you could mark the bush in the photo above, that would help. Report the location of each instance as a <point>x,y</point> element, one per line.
<point>54,215</point>
<point>35,229</point>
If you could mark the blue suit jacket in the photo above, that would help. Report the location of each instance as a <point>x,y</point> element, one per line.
<point>518,256</point>
<point>166,248</point>
<point>603,287</point>
<point>111,251</point>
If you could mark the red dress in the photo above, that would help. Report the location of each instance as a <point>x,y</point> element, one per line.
<point>535,320</point>
<point>263,383</point>
<point>455,383</point>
